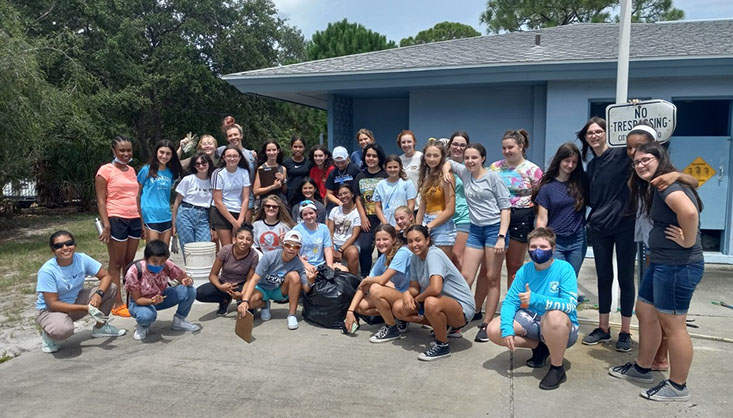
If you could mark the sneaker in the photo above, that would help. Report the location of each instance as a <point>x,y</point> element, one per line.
<point>121,311</point>
<point>477,316</point>
<point>596,336</point>
<point>265,314</point>
<point>539,356</point>
<point>292,322</point>
<point>181,324</point>
<point>554,377</point>
<point>629,372</point>
<point>223,309</point>
<point>436,351</point>
<point>624,342</point>
<point>140,333</point>
<point>47,344</point>
<point>385,334</point>
<point>482,336</point>
<point>107,330</point>
<point>665,392</point>
<point>402,326</point>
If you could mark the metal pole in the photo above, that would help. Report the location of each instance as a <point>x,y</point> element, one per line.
<point>624,38</point>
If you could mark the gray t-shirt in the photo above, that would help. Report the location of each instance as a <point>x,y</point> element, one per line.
<point>663,250</point>
<point>272,270</point>
<point>486,196</point>
<point>235,270</point>
<point>454,285</point>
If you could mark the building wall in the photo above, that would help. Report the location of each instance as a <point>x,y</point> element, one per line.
<point>485,113</point>
<point>385,117</point>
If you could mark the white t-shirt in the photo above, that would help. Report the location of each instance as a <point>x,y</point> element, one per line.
<point>267,237</point>
<point>231,185</point>
<point>343,224</point>
<point>195,191</point>
<point>412,168</point>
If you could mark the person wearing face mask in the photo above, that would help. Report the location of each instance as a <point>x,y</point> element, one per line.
<point>539,309</point>
<point>150,292</point>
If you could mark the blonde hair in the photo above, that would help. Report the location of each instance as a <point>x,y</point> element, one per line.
<point>431,178</point>
<point>282,214</point>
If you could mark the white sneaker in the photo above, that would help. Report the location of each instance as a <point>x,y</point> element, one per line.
<point>265,314</point>
<point>292,322</point>
<point>107,330</point>
<point>47,344</point>
<point>140,333</point>
<point>180,324</point>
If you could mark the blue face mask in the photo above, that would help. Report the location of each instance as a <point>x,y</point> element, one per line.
<point>155,269</point>
<point>540,256</point>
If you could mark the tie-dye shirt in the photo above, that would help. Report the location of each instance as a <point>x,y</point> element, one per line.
<point>519,180</point>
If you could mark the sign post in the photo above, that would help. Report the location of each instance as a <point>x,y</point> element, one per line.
<point>621,118</point>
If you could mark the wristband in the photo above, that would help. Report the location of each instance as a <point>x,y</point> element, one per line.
<point>502,235</point>
<point>245,300</point>
<point>100,292</point>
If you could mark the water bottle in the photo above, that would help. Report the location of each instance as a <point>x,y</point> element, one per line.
<point>99,226</point>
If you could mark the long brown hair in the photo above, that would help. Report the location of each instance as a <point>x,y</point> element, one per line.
<point>577,183</point>
<point>430,178</point>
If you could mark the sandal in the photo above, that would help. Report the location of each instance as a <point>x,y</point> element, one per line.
<point>121,311</point>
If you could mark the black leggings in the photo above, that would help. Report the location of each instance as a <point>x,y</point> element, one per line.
<point>207,292</point>
<point>625,259</point>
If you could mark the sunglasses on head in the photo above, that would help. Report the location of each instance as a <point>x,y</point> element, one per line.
<point>60,245</point>
<point>307,202</point>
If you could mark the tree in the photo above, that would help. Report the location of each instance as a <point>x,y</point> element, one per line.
<point>443,31</point>
<point>344,38</point>
<point>513,15</point>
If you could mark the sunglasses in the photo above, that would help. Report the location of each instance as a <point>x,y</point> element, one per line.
<point>306,202</point>
<point>272,206</point>
<point>60,245</point>
<point>291,246</point>
<point>201,163</point>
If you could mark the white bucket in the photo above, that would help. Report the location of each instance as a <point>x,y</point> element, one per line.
<point>200,254</point>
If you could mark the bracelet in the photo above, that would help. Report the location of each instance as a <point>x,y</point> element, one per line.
<point>245,300</point>
<point>100,292</point>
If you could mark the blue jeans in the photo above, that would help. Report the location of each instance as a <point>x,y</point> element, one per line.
<point>180,295</point>
<point>192,225</point>
<point>572,249</point>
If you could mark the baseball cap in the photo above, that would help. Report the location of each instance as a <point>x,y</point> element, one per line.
<point>307,204</point>
<point>293,237</point>
<point>340,154</point>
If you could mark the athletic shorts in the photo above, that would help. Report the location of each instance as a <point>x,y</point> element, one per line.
<point>275,294</point>
<point>218,221</point>
<point>121,229</point>
<point>531,323</point>
<point>159,227</point>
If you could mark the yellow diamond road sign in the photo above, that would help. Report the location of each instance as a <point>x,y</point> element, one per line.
<point>700,170</point>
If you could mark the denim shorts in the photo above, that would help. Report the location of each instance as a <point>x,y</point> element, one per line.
<point>484,236</point>
<point>531,323</point>
<point>273,294</point>
<point>669,287</point>
<point>465,228</point>
<point>337,247</point>
<point>443,234</point>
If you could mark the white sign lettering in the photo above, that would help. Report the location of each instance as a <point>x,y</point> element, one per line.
<point>621,118</point>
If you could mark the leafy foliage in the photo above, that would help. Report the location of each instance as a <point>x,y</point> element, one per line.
<point>513,15</point>
<point>344,38</point>
<point>74,73</point>
<point>443,31</point>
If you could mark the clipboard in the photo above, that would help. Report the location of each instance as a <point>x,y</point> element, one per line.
<point>243,327</point>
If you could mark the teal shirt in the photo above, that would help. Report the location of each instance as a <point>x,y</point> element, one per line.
<point>461,214</point>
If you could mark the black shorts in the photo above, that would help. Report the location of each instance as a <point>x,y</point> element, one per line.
<point>120,229</point>
<point>521,224</point>
<point>218,221</point>
<point>159,227</point>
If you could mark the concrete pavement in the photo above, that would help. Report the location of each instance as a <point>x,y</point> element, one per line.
<point>319,372</point>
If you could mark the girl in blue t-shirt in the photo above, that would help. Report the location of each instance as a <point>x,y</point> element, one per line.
<point>316,247</point>
<point>154,200</point>
<point>386,282</point>
<point>561,199</point>
<point>394,191</point>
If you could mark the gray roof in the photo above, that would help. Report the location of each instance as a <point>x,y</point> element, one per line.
<point>580,42</point>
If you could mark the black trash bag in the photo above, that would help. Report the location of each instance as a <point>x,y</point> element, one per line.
<point>330,296</point>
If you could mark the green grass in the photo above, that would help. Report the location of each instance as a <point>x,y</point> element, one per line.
<point>4,358</point>
<point>24,245</point>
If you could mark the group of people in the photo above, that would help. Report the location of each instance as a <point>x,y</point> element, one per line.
<point>440,219</point>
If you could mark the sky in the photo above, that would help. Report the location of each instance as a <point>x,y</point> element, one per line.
<point>399,19</point>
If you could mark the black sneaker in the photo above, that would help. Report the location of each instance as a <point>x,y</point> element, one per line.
<point>596,336</point>
<point>436,351</point>
<point>477,316</point>
<point>624,342</point>
<point>554,377</point>
<point>385,334</point>
<point>539,355</point>
<point>482,336</point>
<point>402,326</point>
<point>223,309</point>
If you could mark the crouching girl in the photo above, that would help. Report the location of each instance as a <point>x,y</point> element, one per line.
<point>539,309</point>
<point>438,294</point>
<point>150,292</point>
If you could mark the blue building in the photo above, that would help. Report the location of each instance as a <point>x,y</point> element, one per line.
<point>548,82</point>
